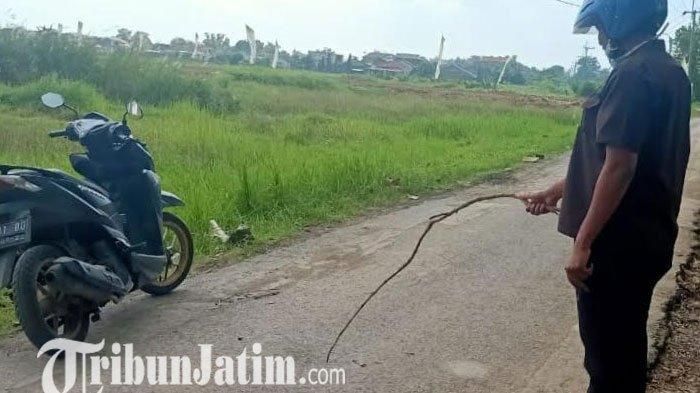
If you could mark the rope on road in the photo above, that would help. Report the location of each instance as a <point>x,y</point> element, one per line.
<point>433,220</point>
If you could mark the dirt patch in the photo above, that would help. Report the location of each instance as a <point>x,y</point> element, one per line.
<point>678,369</point>
<point>457,91</point>
<point>511,98</point>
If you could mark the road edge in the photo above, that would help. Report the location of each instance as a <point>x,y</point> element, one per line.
<point>666,294</point>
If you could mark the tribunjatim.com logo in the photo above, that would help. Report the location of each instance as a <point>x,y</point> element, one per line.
<point>85,369</point>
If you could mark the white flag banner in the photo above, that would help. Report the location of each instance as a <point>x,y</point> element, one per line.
<point>195,51</point>
<point>439,59</point>
<point>80,32</point>
<point>253,43</point>
<point>276,56</point>
<point>503,71</point>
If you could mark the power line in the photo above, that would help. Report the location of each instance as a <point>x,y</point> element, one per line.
<point>568,3</point>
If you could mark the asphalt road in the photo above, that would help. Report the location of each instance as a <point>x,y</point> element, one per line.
<point>484,308</point>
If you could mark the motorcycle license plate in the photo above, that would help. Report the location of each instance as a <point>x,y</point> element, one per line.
<point>15,232</point>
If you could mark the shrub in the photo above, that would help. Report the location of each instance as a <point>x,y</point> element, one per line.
<point>77,93</point>
<point>584,89</point>
<point>273,77</point>
<point>214,97</point>
<point>7,312</point>
<point>27,56</point>
<point>121,76</point>
<point>127,76</point>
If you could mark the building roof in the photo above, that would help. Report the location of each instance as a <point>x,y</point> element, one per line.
<point>492,59</point>
<point>394,65</point>
<point>410,56</point>
<point>375,56</point>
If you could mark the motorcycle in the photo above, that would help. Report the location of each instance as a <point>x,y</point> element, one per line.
<point>69,246</point>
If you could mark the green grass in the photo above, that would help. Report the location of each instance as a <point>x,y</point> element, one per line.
<point>7,314</point>
<point>298,156</point>
<point>695,108</point>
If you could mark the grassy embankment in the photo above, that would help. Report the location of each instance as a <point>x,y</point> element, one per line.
<point>7,314</point>
<point>299,149</point>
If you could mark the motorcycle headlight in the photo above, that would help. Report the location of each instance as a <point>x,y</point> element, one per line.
<point>17,182</point>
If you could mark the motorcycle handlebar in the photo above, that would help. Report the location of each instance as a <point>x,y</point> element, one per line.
<point>58,134</point>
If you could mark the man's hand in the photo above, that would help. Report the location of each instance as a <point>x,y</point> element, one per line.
<point>543,202</point>
<point>577,270</point>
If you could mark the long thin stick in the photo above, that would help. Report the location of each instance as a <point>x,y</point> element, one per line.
<point>433,220</point>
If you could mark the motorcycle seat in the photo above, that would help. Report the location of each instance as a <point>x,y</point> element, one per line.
<point>62,175</point>
<point>82,182</point>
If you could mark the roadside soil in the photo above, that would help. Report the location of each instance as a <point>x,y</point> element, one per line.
<point>678,369</point>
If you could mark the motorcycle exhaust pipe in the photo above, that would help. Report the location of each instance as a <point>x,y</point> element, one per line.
<point>94,283</point>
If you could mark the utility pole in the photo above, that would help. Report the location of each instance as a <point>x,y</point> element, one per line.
<point>439,59</point>
<point>586,51</point>
<point>692,60</point>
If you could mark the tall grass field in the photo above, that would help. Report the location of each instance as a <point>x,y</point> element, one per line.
<point>296,155</point>
<point>298,149</point>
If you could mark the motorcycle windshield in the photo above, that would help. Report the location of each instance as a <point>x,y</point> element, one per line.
<point>84,127</point>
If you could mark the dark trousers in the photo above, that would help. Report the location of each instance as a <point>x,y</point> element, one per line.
<point>613,320</point>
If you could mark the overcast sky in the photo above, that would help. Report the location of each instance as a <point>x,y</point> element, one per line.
<point>538,31</point>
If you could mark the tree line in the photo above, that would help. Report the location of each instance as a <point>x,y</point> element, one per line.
<point>30,54</point>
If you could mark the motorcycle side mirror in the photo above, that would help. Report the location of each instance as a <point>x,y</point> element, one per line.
<point>53,100</point>
<point>134,109</point>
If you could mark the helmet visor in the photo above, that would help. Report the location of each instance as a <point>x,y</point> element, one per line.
<point>590,30</point>
<point>586,19</point>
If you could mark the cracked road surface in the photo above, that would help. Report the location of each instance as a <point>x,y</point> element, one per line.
<point>485,306</point>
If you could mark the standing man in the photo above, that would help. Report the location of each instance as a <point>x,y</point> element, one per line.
<point>622,194</point>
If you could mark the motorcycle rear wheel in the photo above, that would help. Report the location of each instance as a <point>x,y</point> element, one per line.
<point>179,248</point>
<point>42,316</point>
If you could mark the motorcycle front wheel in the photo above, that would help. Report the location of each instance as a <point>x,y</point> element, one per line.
<point>179,249</point>
<point>43,315</point>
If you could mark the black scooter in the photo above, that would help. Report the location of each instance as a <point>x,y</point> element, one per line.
<point>70,246</point>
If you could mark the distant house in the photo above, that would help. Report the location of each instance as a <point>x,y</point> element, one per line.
<point>355,66</point>
<point>452,70</point>
<point>374,57</point>
<point>415,60</point>
<point>387,64</point>
<point>111,43</point>
<point>391,68</point>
